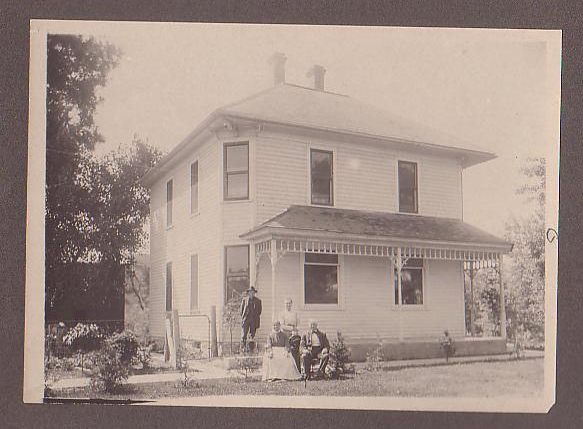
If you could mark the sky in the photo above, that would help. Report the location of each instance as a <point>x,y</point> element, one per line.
<point>492,88</point>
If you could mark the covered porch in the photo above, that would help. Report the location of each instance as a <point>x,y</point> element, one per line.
<point>375,300</point>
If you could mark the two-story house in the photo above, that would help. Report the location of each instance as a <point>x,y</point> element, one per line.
<point>304,193</point>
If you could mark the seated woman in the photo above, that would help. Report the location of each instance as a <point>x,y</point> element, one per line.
<point>278,364</point>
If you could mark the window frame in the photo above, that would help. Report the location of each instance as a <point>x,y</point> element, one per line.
<point>169,287</point>
<point>416,189</point>
<point>197,209</point>
<point>197,308</point>
<point>339,275</point>
<point>226,173</point>
<point>331,151</point>
<point>170,204</point>
<point>225,272</point>
<point>423,269</point>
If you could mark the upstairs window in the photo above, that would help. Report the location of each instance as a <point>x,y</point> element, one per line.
<point>320,279</point>
<point>411,283</point>
<point>169,197</point>
<point>236,272</point>
<point>236,171</point>
<point>322,183</point>
<point>194,187</point>
<point>169,286</point>
<point>408,187</point>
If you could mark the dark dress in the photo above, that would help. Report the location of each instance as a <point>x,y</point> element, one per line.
<point>294,348</point>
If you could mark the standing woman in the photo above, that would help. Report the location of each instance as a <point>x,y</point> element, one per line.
<point>288,318</point>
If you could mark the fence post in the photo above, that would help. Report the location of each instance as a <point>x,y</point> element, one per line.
<point>213,339</point>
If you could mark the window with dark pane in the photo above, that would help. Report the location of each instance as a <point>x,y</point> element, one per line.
<point>411,283</point>
<point>236,271</point>
<point>169,286</point>
<point>408,187</point>
<point>169,198</point>
<point>194,187</point>
<point>236,171</point>
<point>320,279</point>
<point>322,184</point>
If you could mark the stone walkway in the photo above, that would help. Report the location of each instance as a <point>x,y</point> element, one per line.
<point>208,370</point>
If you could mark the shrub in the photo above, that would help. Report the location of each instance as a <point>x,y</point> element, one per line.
<point>113,361</point>
<point>110,370</point>
<point>447,345</point>
<point>84,337</point>
<point>375,358</point>
<point>248,364</point>
<point>339,357</point>
<point>144,356</point>
<point>126,344</point>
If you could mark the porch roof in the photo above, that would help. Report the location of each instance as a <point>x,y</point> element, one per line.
<point>302,220</point>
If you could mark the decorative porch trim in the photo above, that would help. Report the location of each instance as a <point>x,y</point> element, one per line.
<point>474,258</point>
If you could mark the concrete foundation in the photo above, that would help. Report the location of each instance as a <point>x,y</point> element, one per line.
<point>426,349</point>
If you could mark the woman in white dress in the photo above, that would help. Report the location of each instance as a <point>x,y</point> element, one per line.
<point>278,363</point>
<point>288,318</point>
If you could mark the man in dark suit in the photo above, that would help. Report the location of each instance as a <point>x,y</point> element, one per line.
<point>250,316</point>
<point>314,345</point>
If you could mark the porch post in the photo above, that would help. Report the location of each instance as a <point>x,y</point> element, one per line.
<point>502,303</point>
<point>472,303</point>
<point>399,292</point>
<point>273,257</point>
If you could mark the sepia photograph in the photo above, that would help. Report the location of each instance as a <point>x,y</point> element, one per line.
<point>292,216</point>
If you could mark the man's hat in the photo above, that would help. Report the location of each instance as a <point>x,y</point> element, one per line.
<point>251,288</point>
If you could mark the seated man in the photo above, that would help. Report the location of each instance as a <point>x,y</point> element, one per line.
<point>314,345</point>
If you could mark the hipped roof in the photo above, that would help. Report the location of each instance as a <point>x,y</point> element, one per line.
<point>297,106</point>
<point>377,225</point>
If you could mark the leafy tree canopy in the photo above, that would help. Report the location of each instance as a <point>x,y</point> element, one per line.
<point>95,207</point>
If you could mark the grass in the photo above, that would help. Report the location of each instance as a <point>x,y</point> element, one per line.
<point>483,379</point>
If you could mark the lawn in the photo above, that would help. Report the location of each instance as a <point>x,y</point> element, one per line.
<point>480,379</point>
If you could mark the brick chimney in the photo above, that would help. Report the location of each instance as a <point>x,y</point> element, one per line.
<point>277,61</point>
<point>318,72</point>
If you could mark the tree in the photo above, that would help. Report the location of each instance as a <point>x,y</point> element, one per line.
<point>76,67</point>
<point>526,273</point>
<point>96,207</point>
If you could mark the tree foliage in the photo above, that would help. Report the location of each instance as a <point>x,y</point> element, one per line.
<point>525,278</point>
<point>95,207</point>
<point>524,268</point>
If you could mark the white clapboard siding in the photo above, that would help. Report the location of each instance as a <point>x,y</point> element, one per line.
<point>440,187</point>
<point>365,177</point>
<point>366,292</point>
<point>282,175</point>
<point>190,234</point>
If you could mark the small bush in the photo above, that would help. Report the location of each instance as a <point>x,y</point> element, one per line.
<point>375,358</point>
<point>248,364</point>
<point>84,337</point>
<point>114,360</point>
<point>110,371</point>
<point>339,358</point>
<point>447,345</point>
<point>144,356</point>
<point>127,345</point>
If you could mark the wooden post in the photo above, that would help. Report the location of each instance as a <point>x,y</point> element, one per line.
<point>273,257</point>
<point>472,302</point>
<point>214,351</point>
<point>400,293</point>
<point>172,343</point>
<point>502,303</point>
